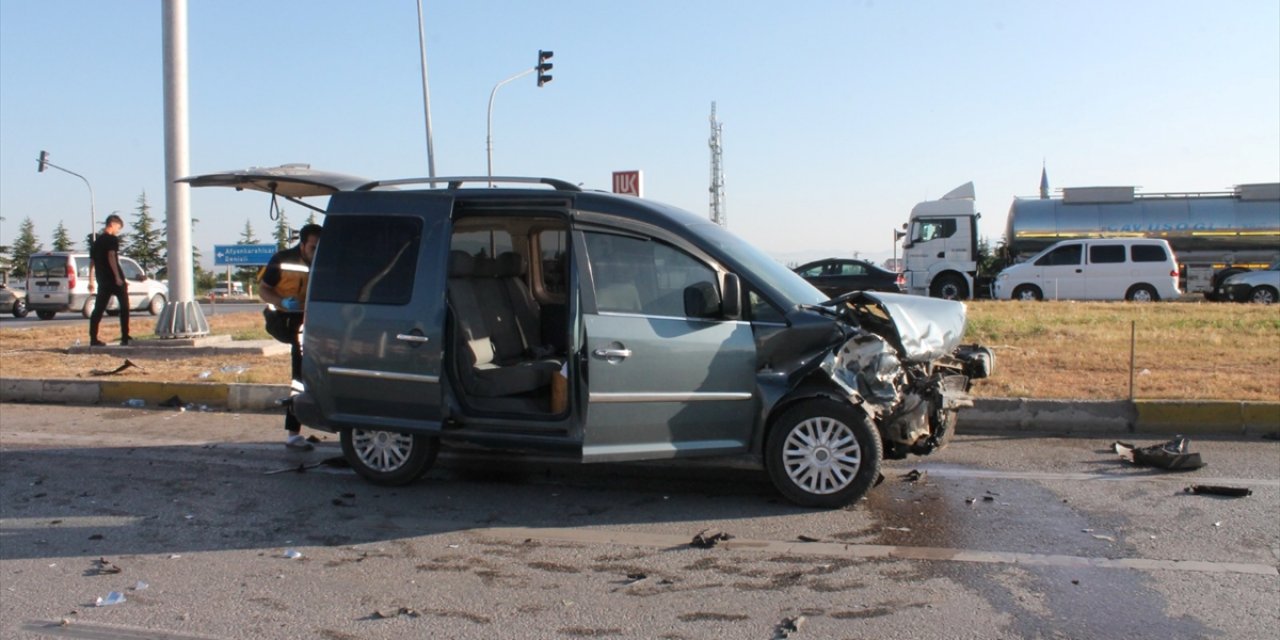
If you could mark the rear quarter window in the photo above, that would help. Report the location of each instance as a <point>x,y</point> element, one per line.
<point>1148,253</point>
<point>1106,253</point>
<point>367,260</point>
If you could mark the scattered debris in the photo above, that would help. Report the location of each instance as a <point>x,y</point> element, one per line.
<point>293,554</point>
<point>337,462</point>
<point>1217,490</point>
<point>879,479</point>
<point>96,536</point>
<point>140,586</point>
<point>103,566</point>
<point>988,498</point>
<point>708,538</point>
<point>1075,582</point>
<point>789,626</point>
<point>636,577</point>
<point>897,528</point>
<point>128,364</point>
<point>383,614</point>
<point>915,475</point>
<point>1172,455</point>
<point>174,402</point>
<point>807,539</point>
<point>970,501</point>
<point>339,502</point>
<point>115,597</point>
<point>234,369</point>
<point>1218,523</point>
<point>204,375</point>
<point>136,403</point>
<point>1101,536</point>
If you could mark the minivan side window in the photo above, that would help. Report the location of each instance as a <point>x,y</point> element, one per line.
<point>552,244</point>
<point>1106,253</point>
<point>367,259</point>
<point>638,275</point>
<point>1148,253</point>
<point>487,243</point>
<point>1062,256</point>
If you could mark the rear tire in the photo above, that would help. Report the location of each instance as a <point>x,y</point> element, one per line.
<point>1263,295</point>
<point>157,305</point>
<point>823,453</point>
<point>46,315</point>
<point>949,287</point>
<point>388,458</point>
<point>1028,292</point>
<point>1142,293</point>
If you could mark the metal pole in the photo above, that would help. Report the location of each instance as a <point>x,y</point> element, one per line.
<point>182,316</point>
<point>93,215</point>
<point>426,94</point>
<point>1133,340</point>
<point>488,140</point>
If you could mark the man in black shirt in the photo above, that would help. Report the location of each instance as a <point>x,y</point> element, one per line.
<point>105,261</point>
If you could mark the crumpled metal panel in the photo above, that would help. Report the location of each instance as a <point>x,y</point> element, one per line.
<point>930,328</point>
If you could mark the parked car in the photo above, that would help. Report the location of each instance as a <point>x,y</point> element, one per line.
<point>1135,269</point>
<point>838,276</point>
<point>1261,286</point>
<point>221,290</point>
<point>12,299</point>
<point>59,281</point>
<point>602,327</point>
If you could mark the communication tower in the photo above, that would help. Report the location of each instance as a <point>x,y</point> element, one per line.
<point>719,214</point>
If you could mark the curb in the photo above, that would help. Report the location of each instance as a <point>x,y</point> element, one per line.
<point>1002,415</point>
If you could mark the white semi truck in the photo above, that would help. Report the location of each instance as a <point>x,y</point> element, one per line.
<point>1213,234</point>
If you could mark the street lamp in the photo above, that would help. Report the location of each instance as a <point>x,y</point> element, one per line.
<point>542,68</point>
<point>43,161</point>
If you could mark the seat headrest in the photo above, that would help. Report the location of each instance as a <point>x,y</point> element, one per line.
<point>461,264</point>
<point>486,267</point>
<point>510,265</point>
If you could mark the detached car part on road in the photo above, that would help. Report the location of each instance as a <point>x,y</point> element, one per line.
<point>603,328</point>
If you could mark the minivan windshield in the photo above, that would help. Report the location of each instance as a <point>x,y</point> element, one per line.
<point>771,272</point>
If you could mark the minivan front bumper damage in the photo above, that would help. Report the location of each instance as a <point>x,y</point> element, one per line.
<point>903,364</point>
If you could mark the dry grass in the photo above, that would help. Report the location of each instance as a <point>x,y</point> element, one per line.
<point>1182,350</point>
<point>1044,350</point>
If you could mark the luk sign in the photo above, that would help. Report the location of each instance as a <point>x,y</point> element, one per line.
<point>628,182</point>
<point>247,254</point>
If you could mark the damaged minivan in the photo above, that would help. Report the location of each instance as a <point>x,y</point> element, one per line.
<point>544,318</point>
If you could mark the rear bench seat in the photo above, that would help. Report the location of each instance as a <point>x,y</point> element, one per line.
<point>498,329</point>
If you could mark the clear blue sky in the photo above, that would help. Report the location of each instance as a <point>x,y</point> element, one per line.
<point>838,116</point>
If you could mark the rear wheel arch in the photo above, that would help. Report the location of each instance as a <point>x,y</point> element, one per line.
<point>1142,292</point>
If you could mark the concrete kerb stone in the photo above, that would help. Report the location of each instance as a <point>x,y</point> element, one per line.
<point>1002,415</point>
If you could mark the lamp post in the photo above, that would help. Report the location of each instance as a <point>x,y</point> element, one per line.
<point>542,68</point>
<point>43,161</point>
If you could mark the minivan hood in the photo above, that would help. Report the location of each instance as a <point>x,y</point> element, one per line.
<point>929,328</point>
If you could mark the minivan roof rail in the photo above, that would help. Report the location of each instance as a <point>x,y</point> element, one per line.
<point>457,182</point>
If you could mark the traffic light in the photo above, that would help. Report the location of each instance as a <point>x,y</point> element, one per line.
<point>44,160</point>
<point>544,66</point>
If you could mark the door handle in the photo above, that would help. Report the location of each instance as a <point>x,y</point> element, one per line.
<point>407,337</point>
<point>612,353</point>
<point>1079,270</point>
<point>942,254</point>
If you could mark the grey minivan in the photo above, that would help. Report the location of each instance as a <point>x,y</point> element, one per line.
<point>601,327</point>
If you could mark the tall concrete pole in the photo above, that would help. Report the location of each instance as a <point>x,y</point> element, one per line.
<point>426,95</point>
<point>182,317</point>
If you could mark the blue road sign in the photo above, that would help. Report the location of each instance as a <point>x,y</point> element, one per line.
<point>247,254</point>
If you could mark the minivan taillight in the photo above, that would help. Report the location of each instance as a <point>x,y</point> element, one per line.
<point>1174,273</point>
<point>71,278</point>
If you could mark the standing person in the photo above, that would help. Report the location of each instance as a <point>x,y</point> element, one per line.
<point>104,261</point>
<point>283,285</point>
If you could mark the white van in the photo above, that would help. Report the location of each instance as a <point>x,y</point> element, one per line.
<point>59,281</point>
<point>1139,269</point>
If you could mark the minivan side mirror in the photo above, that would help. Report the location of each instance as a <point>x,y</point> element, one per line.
<point>701,300</point>
<point>731,306</point>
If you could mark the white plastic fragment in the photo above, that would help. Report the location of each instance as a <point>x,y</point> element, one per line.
<point>115,597</point>
<point>292,554</point>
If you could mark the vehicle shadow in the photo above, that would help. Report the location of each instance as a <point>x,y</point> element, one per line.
<point>182,499</point>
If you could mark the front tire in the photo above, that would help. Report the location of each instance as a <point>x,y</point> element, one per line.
<point>45,315</point>
<point>1263,295</point>
<point>949,287</point>
<point>20,308</point>
<point>388,458</point>
<point>1028,292</point>
<point>1142,293</point>
<point>823,453</point>
<point>157,305</point>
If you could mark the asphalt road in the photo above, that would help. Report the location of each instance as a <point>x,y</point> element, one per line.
<point>1003,537</point>
<point>72,317</point>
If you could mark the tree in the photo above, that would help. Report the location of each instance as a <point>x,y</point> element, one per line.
<point>61,238</point>
<point>247,274</point>
<point>311,218</point>
<point>24,247</point>
<point>282,232</point>
<point>146,243</point>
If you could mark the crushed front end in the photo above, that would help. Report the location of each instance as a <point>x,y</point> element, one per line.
<point>903,364</point>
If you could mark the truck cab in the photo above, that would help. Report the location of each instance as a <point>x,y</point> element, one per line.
<point>941,246</point>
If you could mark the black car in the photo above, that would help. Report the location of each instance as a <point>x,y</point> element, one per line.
<point>838,276</point>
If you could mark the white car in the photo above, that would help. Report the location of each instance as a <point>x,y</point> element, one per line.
<point>1262,287</point>
<point>1135,269</point>
<point>59,281</point>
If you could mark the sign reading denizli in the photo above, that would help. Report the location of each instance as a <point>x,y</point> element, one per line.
<point>237,254</point>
